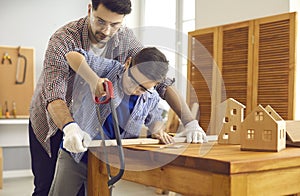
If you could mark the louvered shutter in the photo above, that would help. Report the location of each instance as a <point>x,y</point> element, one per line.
<point>274,63</point>
<point>200,61</point>
<point>235,60</point>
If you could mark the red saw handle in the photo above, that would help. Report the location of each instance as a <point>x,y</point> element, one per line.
<point>108,87</point>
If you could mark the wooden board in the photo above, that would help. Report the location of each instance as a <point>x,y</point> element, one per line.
<point>97,143</point>
<point>136,141</point>
<point>11,91</point>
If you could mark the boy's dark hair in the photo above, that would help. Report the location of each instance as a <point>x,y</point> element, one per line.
<point>117,6</point>
<point>152,63</point>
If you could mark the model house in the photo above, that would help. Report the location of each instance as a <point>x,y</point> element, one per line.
<point>263,130</point>
<point>233,116</point>
<point>293,133</point>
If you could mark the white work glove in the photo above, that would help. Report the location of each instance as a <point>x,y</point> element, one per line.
<point>193,132</point>
<point>75,140</point>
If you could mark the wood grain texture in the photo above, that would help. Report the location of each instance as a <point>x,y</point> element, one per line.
<point>223,170</point>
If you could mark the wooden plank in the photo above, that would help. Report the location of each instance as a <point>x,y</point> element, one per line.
<point>136,141</point>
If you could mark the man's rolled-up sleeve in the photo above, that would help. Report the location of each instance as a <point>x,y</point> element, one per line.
<point>162,86</point>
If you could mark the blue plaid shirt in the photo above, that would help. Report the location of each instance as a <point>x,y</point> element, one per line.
<point>84,112</point>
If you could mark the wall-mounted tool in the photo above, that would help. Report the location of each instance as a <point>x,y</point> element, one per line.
<point>20,56</point>
<point>7,115</point>
<point>14,109</point>
<point>1,110</point>
<point>6,57</point>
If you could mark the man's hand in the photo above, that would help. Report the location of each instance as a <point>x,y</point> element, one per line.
<point>193,132</point>
<point>75,140</point>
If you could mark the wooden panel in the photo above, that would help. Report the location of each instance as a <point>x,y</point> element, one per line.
<point>273,68</point>
<point>10,91</point>
<point>200,72</point>
<point>235,60</point>
<point>269,182</point>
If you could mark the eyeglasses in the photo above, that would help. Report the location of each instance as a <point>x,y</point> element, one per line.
<point>140,85</point>
<point>99,22</point>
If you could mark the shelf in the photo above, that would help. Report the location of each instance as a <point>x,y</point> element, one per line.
<point>14,121</point>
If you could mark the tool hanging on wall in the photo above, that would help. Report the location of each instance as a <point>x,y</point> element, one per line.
<point>1,110</point>
<point>14,109</point>
<point>6,57</point>
<point>20,56</point>
<point>7,115</point>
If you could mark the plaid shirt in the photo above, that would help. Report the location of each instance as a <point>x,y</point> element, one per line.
<point>56,80</point>
<point>84,112</point>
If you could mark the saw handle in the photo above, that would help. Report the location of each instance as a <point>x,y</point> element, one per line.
<point>108,87</point>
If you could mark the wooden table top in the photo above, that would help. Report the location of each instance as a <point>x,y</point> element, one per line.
<point>212,157</point>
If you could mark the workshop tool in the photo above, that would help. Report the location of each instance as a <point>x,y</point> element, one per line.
<point>14,109</point>
<point>109,98</point>
<point>1,110</point>
<point>20,56</point>
<point>7,115</point>
<point>6,57</point>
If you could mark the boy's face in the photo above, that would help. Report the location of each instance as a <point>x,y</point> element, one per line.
<point>103,24</point>
<point>135,83</point>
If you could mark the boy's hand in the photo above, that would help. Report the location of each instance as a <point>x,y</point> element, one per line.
<point>163,137</point>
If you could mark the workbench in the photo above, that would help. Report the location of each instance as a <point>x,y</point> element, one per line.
<point>201,169</point>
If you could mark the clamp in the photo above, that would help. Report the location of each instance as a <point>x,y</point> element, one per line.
<point>6,57</point>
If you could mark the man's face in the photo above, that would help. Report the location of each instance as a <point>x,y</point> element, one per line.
<point>103,24</point>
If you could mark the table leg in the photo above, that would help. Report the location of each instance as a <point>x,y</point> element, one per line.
<point>97,181</point>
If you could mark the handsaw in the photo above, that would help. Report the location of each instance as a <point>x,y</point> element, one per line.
<point>109,99</point>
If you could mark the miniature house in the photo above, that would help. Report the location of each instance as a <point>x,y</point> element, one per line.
<point>263,130</point>
<point>231,125</point>
<point>293,133</point>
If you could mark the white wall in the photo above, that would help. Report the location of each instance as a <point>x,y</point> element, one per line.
<point>30,23</point>
<point>219,12</point>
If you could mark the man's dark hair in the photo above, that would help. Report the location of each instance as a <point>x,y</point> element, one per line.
<point>152,63</point>
<point>117,6</point>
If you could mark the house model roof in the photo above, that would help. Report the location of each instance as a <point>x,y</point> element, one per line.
<point>293,130</point>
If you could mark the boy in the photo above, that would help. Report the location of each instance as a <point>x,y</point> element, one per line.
<point>136,104</point>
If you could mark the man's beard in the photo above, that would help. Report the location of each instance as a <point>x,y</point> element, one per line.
<point>100,37</point>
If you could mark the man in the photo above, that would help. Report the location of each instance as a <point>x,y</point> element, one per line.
<point>102,33</point>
